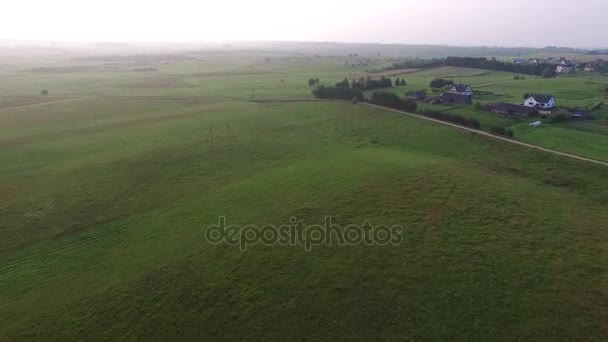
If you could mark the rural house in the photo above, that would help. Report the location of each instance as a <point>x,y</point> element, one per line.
<point>451,97</point>
<point>418,95</point>
<point>564,69</point>
<point>591,67</point>
<point>537,61</point>
<point>540,101</point>
<point>512,110</point>
<point>462,89</point>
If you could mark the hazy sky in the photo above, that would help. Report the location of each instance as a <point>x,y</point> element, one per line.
<point>457,22</point>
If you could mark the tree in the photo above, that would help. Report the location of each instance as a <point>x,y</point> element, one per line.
<point>403,82</point>
<point>340,93</point>
<point>343,84</point>
<point>559,117</point>
<point>397,82</point>
<point>440,83</point>
<point>383,98</point>
<point>312,82</point>
<point>548,72</point>
<point>44,92</point>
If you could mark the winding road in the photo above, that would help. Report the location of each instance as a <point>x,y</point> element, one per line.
<point>484,133</point>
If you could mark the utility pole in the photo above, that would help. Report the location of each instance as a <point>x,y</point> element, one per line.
<point>95,120</point>
<point>210,134</point>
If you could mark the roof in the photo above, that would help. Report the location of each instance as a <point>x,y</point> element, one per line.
<point>542,98</point>
<point>455,98</point>
<point>512,108</point>
<point>460,87</point>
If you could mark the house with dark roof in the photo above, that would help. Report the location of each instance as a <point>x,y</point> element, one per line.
<point>540,101</point>
<point>537,61</point>
<point>418,95</point>
<point>512,109</point>
<point>462,89</point>
<point>449,97</point>
<point>591,67</point>
<point>564,69</point>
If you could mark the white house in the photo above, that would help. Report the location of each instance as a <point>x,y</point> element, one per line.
<point>462,89</point>
<point>564,69</point>
<point>540,101</point>
<point>591,67</point>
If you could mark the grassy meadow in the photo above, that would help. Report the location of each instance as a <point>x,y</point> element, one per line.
<point>108,184</point>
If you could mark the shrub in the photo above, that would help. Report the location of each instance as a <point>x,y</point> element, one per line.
<point>343,84</point>
<point>498,130</point>
<point>383,98</point>
<point>44,92</point>
<point>596,106</point>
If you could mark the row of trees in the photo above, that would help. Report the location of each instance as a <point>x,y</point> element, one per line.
<point>364,83</point>
<point>412,63</point>
<point>440,83</point>
<point>454,118</point>
<point>370,84</point>
<point>338,93</point>
<point>386,99</point>
<point>544,70</point>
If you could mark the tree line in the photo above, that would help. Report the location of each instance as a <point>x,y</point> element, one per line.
<point>453,118</point>
<point>502,131</point>
<point>371,84</point>
<point>542,69</point>
<point>337,93</point>
<point>440,83</point>
<point>386,99</point>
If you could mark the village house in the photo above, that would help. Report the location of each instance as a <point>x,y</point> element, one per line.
<point>456,98</point>
<point>514,110</point>
<point>462,89</point>
<point>591,67</point>
<point>564,69</point>
<point>537,61</point>
<point>540,101</point>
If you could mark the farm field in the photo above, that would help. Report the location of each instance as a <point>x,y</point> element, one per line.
<point>108,184</point>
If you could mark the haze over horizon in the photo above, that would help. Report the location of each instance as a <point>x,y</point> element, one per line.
<point>466,23</point>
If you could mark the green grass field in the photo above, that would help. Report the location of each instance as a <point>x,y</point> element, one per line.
<point>106,193</point>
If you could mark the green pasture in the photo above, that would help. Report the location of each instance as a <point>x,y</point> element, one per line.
<point>108,185</point>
